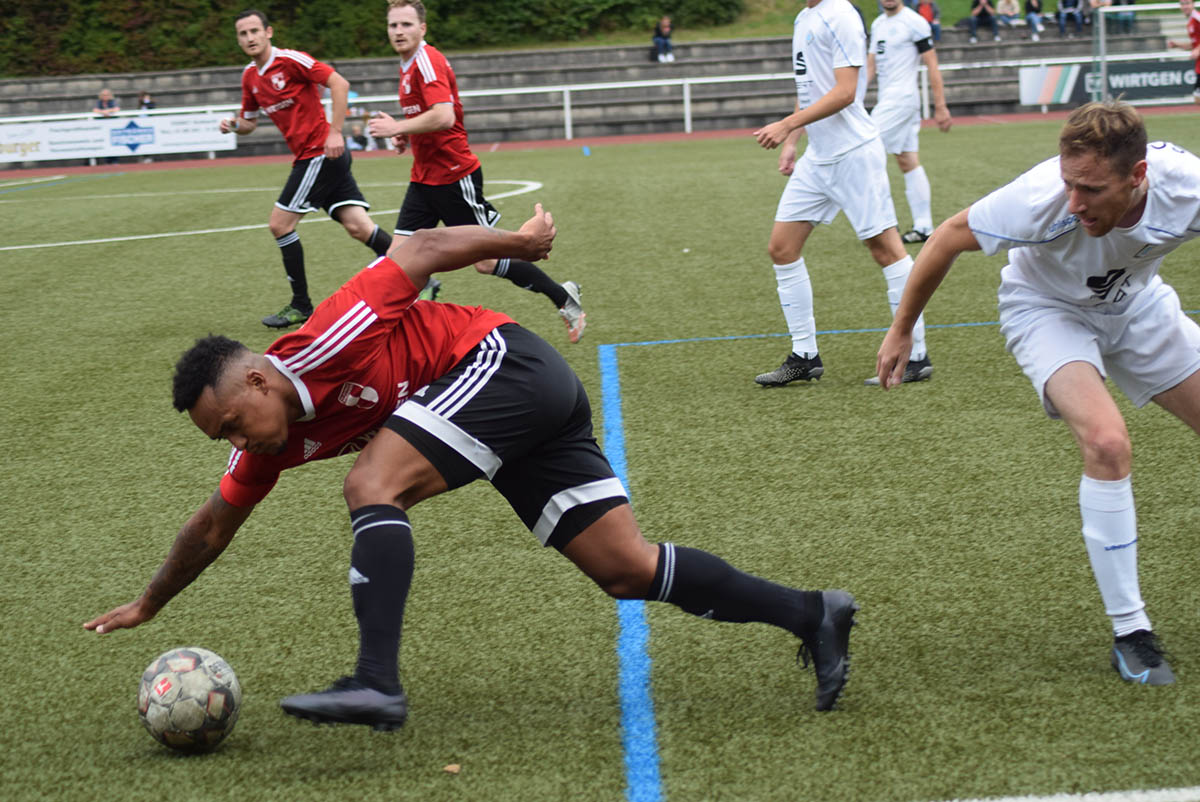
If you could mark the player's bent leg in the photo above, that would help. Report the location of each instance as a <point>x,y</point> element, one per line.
<point>1078,394</point>
<point>390,470</point>
<point>1183,401</point>
<point>282,224</point>
<point>614,554</point>
<point>360,226</point>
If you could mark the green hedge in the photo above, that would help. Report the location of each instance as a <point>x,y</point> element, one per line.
<point>65,37</point>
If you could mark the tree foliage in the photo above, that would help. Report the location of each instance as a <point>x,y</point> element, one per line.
<point>70,37</point>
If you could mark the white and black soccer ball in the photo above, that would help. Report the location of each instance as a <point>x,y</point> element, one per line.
<point>189,699</point>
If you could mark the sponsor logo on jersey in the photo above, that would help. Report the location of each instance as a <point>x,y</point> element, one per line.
<point>356,444</point>
<point>412,111</point>
<point>278,82</point>
<point>1112,283</point>
<point>310,447</point>
<point>1144,252</point>
<point>358,395</point>
<point>1060,224</point>
<point>283,104</point>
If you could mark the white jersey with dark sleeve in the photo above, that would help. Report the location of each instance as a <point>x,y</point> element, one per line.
<point>897,43</point>
<point>1050,252</point>
<point>825,37</point>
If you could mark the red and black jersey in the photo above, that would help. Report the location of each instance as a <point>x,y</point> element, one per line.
<point>364,350</point>
<point>287,90</point>
<point>439,157</point>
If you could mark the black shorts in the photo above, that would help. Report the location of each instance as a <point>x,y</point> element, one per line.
<point>513,410</point>
<point>458,204</point>
<point>321,183</point>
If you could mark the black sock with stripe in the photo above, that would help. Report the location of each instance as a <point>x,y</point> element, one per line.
<point>293,264</point>
<point>381,568</point>
<point>379,241</point>
<point>705,585</point>
<point>529,276</point>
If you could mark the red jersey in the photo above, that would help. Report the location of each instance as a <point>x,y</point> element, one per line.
<point>439,157</point>
<point>366,348</point>
<point>286,89</point>
<point>1193,32</point>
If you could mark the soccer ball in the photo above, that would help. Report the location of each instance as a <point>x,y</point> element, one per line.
<point>189,699</point>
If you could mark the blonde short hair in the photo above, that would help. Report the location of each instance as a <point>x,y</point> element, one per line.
<point>1112,129</point>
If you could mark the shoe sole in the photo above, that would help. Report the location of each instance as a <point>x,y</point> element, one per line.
<point>317,720</point>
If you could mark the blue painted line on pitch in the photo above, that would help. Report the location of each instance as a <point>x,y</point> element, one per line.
<point>44,184</point>
<point>639,735</point>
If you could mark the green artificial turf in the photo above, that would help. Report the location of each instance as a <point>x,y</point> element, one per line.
<point>948,508</point>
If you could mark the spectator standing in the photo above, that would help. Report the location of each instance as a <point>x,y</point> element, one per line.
<point>662,40</point>
<point>106,106</point>
<point>932,14</point>
<point>843,169</point>
<point>446,181</point>
<point>983,13</point>
<point>1192,16</point>
<point>1033,18</point>
<point>285,85</point>
<point>146,100</point>
<point>900,42</point>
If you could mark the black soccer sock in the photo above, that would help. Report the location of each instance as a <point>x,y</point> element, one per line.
<point>381,568</point>
<point>293,265</point>
<point>379,241</point>
<point>705,585</point>
<point>529,276</point>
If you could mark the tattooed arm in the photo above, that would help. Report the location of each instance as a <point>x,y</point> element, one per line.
<point>199,542</point>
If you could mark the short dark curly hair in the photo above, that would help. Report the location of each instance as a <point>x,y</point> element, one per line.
<point>201,366</point>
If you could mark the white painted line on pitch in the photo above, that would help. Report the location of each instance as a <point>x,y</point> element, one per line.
<point>26,181</point>
<point>166,194</point>
<point>1159,795</point>
<point>522,188</point>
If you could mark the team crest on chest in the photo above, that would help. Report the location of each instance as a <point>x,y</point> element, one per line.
<point>278,82</point>
<point>353,394</point>
<point>407,85</point>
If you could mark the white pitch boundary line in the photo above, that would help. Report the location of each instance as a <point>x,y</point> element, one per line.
<point>24,181</point>
<point>522,188</point>
<point>123,195</point>
<point>1159,795</point>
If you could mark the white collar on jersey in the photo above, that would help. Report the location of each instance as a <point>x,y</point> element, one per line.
<point>270,61</point>
<point>404,65</point>
<point>310,411</point>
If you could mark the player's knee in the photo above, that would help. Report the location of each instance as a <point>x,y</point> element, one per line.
<point>627,581</point>
<point>1108,447</point>
<point>486,267</point>
<point>279,228</point>
<point>362,487</point>
<point>782,253</point>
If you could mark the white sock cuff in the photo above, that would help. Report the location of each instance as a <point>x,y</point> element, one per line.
<point>796,269</point>
<point>898,269</point>
<point>1106,495</point>
<point>915,174</point>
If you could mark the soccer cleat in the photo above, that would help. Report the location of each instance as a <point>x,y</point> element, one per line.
<point>1139,657</point>
<point>828,647</point>
<point>433,288</point>
<point>572,312</point>
<point>288,316</point>
<point>917,370</point>
<point>349,701</point>
<point>911,236</point>
<point>794,368</point>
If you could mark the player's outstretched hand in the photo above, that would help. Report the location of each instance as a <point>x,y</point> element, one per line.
<point>382,125</point>
<point>893,358</point>
<point>540,232</point>
<point>127,616</point>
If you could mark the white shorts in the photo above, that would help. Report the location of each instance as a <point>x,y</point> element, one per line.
<point>857,185</point>
<point>1146,345</point>
<point>899,127</point>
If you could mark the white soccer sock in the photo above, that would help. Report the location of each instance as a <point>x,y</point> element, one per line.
<point>1110,534</point>
<point>796,298</point>
<point>897,275</point>
<point>920,199</point>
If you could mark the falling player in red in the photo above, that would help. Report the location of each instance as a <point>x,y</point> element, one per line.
<point>446,184</point>
<point>1188,8</point>
<point>283,85</point>
<point>436,396</point>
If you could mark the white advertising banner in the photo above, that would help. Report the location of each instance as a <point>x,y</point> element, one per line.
<point>113,136</point>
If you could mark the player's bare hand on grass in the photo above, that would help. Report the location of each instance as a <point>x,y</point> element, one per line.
<point>541,233</point>
<point>127,616</point>
<point>893,358</point>
<point>773,135</point>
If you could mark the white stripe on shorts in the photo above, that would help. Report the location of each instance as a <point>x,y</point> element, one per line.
<point>299,201</point>
<point>468,192</point>
<point>487,361</point>
<point>469,448</point>
<point>573,497</point>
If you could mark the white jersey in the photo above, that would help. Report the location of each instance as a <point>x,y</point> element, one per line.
<point>1050,252</point>
<point>828,36</point>
<point>898,42</point>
